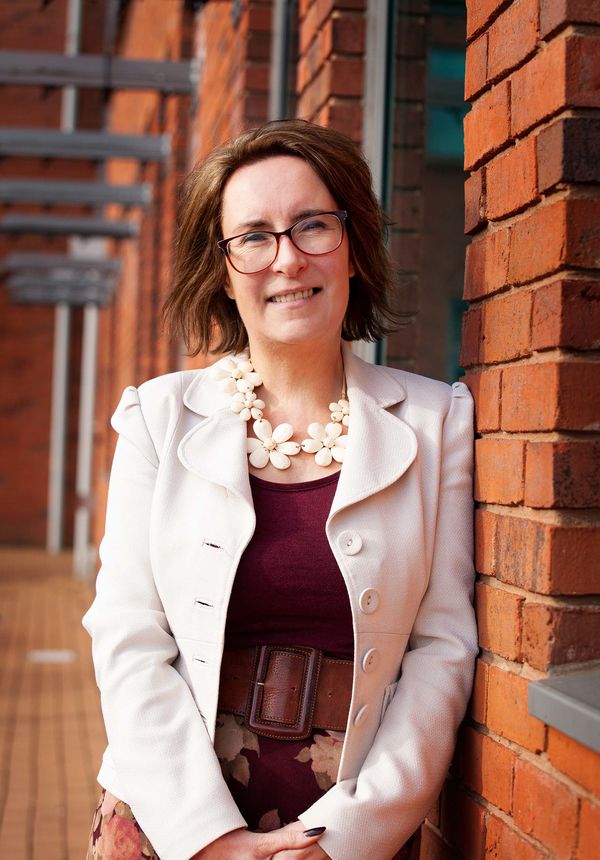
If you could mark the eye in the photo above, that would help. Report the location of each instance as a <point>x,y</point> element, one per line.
<point>311,224</point>
<point>253,239</point>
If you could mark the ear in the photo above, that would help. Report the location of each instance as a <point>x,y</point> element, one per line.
<point>229,290</point>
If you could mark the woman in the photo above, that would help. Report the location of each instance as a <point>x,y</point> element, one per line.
<point>284,645</point>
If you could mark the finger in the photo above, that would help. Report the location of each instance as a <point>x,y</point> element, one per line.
<point>286,840</point>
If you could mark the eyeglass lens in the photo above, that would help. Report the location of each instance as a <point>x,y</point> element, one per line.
<point>318,234</point>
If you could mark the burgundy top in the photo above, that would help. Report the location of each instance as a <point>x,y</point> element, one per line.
<point>288,589</point>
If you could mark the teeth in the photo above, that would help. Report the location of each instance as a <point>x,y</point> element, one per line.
<point>293,297</point>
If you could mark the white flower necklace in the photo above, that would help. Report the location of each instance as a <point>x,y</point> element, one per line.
<point>273,445</point>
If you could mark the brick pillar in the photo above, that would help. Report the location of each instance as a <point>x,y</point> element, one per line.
<point>330,77</point>
<point>521,788</point>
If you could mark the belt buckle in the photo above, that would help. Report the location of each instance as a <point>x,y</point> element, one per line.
<point>283,706</point>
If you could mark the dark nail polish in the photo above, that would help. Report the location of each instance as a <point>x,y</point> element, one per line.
<point>315,831</point>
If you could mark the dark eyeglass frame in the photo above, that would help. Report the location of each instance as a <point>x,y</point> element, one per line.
<point>340,214</point>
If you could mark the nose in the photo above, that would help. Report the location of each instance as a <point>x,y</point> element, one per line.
<point>289,260</point>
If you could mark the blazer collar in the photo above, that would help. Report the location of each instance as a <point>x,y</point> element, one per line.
<point>381,446</point>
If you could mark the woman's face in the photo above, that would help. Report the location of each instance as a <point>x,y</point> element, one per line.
<point>272,195</point>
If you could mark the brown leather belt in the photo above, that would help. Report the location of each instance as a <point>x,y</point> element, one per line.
<point>286,691</point>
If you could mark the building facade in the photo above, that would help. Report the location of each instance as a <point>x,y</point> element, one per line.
<point>516,305</point>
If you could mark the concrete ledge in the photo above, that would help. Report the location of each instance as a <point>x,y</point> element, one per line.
<point>571,704</point>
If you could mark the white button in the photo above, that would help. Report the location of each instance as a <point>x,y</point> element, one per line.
<point>370,660</point>
<point>369,600</point>
<point>350,543</point>
<point>360,715</point>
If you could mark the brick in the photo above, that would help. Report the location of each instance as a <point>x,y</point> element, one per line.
<point>551,237</point>
<point>478,707</point>
<point>568,150</point>
<point>433,846</point>
<point>475,191</point>
<point>487,125</point>
<point>565,74</point>
<point>485,386</point>
<point>557,13</point>
<point>407,209</point>
<point>463,822</point>
<point>485,539</point>
<point>487,264</point>
<point>407,167</point>
<point>558,635</point>
<point>347,33</point>
<point>476,67</point>
<point>499,470</point>
<point>486,767</point>
<point>409,125</point>
<point>566,313</point>
<point>575,760</point>
<point>505,329</point>
<point>345,115</point>
<point>507,710</point>
<point>479,12</point>
<point>511,181</point>
<point>411,36</point>
<point>470,342</point>
<point>504,843</point>
<point>407,250</point>
<point>512,37</point>
<point>551,396</point>
<point>346,76</point>
<point>499,620</point>
<point>563,474</point>
<point>545,809</point>
<point>589,828</point>
<point>410,77</point>
<point>545,557</point>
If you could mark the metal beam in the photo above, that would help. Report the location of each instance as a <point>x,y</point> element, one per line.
<point>55,282</point>
<point>61,293</point>
<point>36,68</point>
<point>93,145</point>
<point>36,262</point>
<point>66,191</point>
<point>70,226</point>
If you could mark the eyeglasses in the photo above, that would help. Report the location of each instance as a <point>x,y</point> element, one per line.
<point>253,252</point>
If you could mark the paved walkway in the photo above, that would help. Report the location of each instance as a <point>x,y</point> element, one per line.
<point>51,732</point>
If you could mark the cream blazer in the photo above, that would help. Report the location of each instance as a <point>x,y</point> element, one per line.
<point>180,515</point>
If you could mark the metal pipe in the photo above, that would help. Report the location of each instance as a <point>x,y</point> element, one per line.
<point>279,60</point>
<point>85,451</point>
<point>62,329</point>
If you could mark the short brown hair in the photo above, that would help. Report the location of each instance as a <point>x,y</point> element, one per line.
<point>198,308</point>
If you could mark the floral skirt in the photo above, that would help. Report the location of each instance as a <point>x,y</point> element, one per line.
<point>271,781</point>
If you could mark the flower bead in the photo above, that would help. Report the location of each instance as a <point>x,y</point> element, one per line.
<point>247,405</point>
<point>237,374</point>
<point>340,411</point>
<point>271,445</point>
<point>326,443</point>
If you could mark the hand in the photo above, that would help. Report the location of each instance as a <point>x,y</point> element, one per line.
<point>287,842</point>
<point>311,852</point>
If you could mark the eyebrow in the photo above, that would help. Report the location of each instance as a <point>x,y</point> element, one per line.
<point>262,224</point>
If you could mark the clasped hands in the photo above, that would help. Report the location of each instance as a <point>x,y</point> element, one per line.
<point>286,843</point>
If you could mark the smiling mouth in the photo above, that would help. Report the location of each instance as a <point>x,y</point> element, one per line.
<point>295,296</point>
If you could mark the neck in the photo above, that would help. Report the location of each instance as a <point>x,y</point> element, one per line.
<point>298,383</point>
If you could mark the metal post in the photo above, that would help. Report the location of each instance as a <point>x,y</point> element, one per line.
<point>85,451</point>
<point>375,130</point>
<point>279,60</point>
<point>62,328</point>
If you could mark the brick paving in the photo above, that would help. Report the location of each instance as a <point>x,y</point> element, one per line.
<point>51,731</point>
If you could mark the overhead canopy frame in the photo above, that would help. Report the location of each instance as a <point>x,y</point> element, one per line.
<point>68,191</point>
<point>96,71</point>
<point>68,226</point>
<point>94,145</point>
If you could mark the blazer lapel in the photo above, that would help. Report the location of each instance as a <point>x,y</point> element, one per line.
<point>215,447</point>
<point>381,446</point>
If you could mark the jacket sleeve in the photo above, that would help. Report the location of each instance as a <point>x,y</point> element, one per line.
<point>374,814</point>
<point>165,763</point>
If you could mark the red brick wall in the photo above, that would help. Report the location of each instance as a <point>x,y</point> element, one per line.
<point>521,789</point>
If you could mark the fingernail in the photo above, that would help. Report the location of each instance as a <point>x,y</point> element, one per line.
<point>315,831</point>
